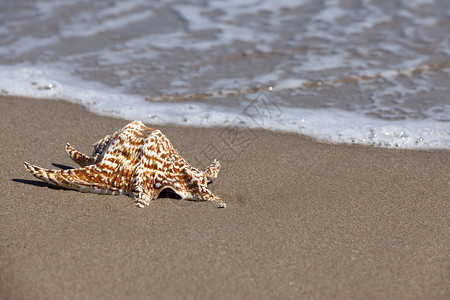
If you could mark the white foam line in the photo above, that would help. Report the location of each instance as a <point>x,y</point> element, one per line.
<point>327,125</point>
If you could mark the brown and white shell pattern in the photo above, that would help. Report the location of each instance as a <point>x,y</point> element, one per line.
<point>137,161</point>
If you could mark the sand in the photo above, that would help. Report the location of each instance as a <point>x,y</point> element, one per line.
<point>303,219</point>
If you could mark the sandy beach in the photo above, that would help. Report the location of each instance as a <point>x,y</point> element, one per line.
<point>303,219</point>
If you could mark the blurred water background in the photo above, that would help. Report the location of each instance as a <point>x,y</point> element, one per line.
<point>344,71</point>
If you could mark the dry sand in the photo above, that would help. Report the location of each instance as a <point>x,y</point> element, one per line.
<point>304,219</point>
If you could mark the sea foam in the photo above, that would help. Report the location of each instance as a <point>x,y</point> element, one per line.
<point>369,74</point>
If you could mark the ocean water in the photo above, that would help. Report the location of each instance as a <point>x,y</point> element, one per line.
<point>342,71</point>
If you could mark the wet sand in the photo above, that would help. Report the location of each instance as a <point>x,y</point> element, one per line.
<point>303,219</point>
